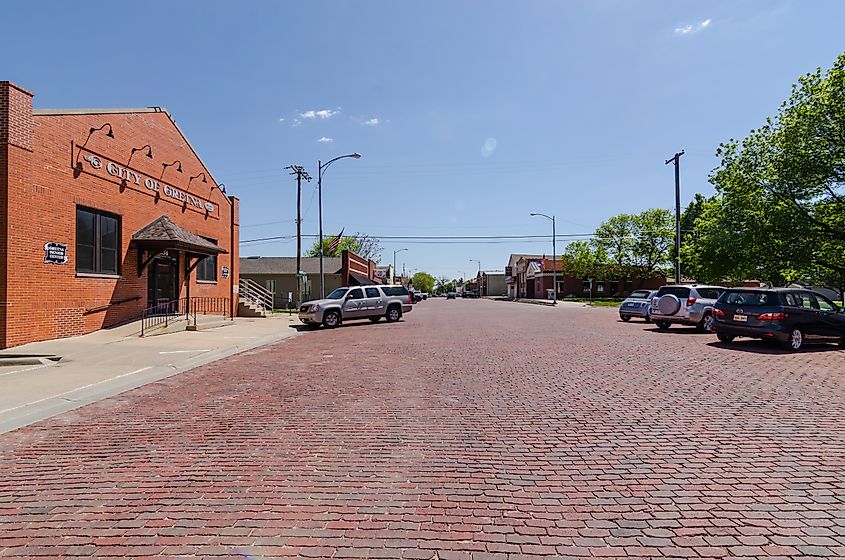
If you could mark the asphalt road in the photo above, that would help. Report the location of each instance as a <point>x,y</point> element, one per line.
<point>471,429</point>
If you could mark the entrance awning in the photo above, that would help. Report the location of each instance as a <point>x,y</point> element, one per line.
<point>357,280</point>
<point>162,234</point>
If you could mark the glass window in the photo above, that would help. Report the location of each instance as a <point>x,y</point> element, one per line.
<point>587,284</point>
<point>395,291</point>
<point>680,292</point>
<point>356,294</point>
<point>600,285</point>
<point>790,300</point>
<point>825,304</point>
<point>709,293</point>
<point>804,299</point>
<point>750,299</point>
<point>270,285</point>
<point>337,294</point>
<point>640,294</point>
<point>207,269</point>
<point>97,241</point>
<point>373,292</point>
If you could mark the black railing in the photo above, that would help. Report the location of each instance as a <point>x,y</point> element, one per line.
<point>164,313</point>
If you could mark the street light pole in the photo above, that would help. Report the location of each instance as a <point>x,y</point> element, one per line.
<point>320,167</point>
<point>394,260</point>
<point>554,256</point>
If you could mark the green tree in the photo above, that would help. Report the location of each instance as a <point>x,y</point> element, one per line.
<point>583,259</point>
<point>780,209</point>
<point>636,243</point>
<point>361,244</point>
<point>423,282</point>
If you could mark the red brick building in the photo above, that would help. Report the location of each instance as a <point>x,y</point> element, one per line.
<point>103,214</point>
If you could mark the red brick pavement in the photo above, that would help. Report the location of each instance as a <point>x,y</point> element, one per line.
<point>472,429</point>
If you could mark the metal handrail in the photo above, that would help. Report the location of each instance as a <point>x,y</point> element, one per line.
<point>165,312</point>
<point>253,291</point>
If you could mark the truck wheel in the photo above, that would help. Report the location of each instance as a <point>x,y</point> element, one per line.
<point>375,319</point>
<point>331,319</point>
<point>725,337</point>
<point>393,314</point>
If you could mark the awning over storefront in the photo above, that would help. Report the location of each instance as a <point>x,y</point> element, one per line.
<point>162,234</point>
<point>357,280</point>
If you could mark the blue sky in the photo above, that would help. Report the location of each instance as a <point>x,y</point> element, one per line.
<point>470,115</point>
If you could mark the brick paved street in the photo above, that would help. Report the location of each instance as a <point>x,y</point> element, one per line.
<point>472,429</point>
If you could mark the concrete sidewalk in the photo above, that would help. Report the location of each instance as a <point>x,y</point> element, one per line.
<point>112,361</point>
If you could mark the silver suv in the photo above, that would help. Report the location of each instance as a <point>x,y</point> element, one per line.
<point>688,305</point>
<point>364,302</point>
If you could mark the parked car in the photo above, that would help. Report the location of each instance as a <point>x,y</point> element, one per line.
<point>788,316</point>
<point>469,294</point>
<point>450,295</point>
<point>364,302</point>
<point>684,304</point>
<point>637,304</point>
<point>416,297</point>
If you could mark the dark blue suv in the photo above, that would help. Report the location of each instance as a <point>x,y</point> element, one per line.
<point>789,316</point>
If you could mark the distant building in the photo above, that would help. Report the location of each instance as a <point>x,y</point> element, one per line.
<point>492,283</point>
<point>532,277</point>
<point>278,274</point>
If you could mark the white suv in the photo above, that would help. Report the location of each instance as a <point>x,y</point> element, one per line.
<point>359,302</point>
<point>685,304</point>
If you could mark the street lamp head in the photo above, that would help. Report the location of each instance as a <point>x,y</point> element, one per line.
<point>356,155</point>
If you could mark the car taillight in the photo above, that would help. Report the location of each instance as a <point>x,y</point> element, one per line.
<point>690,301</point>
<point>773,316</point>
<point>410,299</point>
<point>718,313</point>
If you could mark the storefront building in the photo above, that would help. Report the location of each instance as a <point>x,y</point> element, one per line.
<point>105,214</point>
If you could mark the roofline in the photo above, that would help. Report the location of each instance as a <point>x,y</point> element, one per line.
<point>116,111</point>
<point>99,111</point>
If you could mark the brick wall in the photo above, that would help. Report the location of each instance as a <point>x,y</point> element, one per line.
<point>43,188</point>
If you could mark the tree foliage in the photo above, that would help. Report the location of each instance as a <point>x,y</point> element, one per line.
<point>423,282</point>
<point>635,244</point>
<point>361,244</point>
<point>779,213</point>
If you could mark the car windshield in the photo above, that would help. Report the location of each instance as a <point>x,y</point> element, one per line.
<point>709,293</point>
<point>337,294</point>
<point>640,294</point>
<point>750,299</point>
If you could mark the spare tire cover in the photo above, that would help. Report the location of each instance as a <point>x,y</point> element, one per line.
<point>668,304</point>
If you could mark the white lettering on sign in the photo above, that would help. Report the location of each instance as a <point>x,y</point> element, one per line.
<point>120,172</point>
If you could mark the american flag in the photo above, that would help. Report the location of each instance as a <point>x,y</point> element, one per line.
<point>335,242</point>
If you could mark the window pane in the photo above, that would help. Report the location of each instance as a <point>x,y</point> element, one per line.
<point>108,261</point>
<point>108,232</point>
<point>84,227</point>
<point>356,294</point>
<point>84,258</point>
<point>372,292</point>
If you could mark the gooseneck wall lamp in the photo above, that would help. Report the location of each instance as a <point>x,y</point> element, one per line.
<point>146,147</point>
<point>197,176</point>
<point>177,163</point>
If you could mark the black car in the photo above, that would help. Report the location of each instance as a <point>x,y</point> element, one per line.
<point>789,316</point>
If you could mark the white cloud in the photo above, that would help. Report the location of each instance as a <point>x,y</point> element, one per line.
<point>321,114</point>
<point>689,29</point>
<point>325,140</point>
<point>282,119</point>
<point>371,122</point>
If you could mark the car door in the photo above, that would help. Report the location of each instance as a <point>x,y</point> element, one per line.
<point>832,322</point>
<point>805,317</point>
<point>374,303</point>
<point>353,303</point>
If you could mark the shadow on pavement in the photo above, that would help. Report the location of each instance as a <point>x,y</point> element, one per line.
<point>766,347</point>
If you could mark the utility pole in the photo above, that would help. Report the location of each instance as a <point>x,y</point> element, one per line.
<point>677,160</point>
<point>301,174</point>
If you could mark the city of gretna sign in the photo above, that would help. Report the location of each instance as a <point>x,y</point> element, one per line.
<point>120,172</point>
